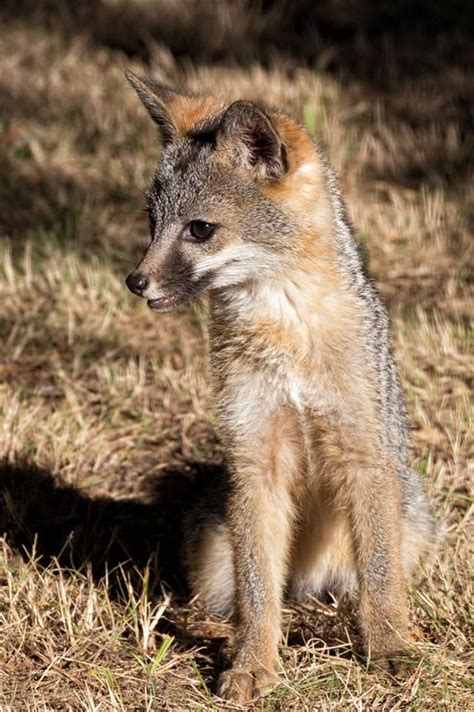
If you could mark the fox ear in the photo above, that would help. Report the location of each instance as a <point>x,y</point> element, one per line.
<point>249,134</point>
<point>156,98</point>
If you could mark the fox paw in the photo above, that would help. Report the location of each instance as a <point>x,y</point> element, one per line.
<point>246,684</point>
<point>400,663</point>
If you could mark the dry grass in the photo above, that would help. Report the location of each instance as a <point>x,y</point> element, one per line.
<point>105,428</point>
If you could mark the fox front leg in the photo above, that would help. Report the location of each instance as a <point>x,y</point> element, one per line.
<point>260,521</point>
<point>367,486</point>
<point>377,531</point>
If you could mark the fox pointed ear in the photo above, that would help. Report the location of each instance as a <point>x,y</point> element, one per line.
<point>156,98</point>
<point>247,132</point>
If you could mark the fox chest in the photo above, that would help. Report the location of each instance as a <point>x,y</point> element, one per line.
<point>249,391</point>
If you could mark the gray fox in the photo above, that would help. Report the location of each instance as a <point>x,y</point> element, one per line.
<point>245,208</point>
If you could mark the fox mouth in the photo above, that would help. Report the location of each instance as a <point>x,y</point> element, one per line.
<point>188,293</point>
<point>167,304</point>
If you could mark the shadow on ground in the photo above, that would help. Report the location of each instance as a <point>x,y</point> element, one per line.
<point>47,519</point>
<point>40,514</point>
<point>50,520</point>
<point>352,36</point>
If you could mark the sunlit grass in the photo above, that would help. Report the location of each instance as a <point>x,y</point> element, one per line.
<point>105,397</point>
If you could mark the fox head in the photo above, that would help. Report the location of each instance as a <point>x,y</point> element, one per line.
<point>216,218</point>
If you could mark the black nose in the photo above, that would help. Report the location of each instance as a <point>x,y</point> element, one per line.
<point>137,283</point>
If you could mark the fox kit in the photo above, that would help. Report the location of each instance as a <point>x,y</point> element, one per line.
<point>244,207</point>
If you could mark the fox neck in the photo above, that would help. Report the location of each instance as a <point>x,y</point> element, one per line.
<point>274,298</point>
<point>291,311</point>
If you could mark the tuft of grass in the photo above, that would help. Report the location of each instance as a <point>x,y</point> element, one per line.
<point>105,424</point>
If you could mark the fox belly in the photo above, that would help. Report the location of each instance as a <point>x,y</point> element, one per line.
<point>323,560</point>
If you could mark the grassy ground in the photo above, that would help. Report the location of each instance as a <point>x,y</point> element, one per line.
<point>105,428</point>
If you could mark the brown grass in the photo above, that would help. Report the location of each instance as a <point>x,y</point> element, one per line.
<point>105,428</point>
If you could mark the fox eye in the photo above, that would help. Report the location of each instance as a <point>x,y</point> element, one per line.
<point>201,230</point>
